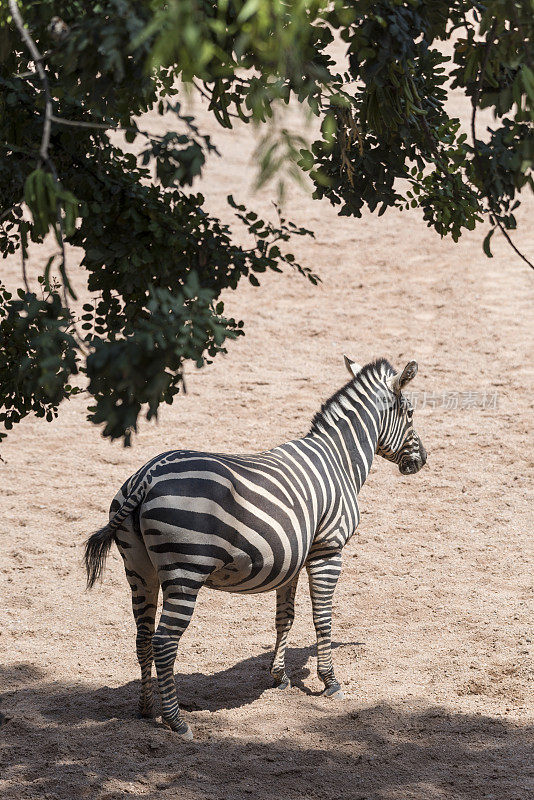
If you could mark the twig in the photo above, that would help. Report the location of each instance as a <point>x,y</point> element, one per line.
<point>201,90</point>
<point>16,149</point>
<point>78,123</point>
<point>210,98</point>
<point>75,123</point>
<point>510,242</point>
<point>32,72</point>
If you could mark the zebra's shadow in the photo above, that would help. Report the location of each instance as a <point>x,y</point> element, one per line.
<point>361,751</point>
<point>238,685</point>
<point>244,682</point>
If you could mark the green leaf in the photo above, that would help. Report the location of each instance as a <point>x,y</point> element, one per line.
<point>486,243</point>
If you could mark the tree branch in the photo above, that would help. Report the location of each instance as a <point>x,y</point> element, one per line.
<point>38,58</point>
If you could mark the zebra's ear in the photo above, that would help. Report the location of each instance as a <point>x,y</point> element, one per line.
<point>352,367</point>
<point>399,381</point>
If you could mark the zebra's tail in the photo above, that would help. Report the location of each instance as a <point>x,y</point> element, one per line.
<point>99,543</point>
<point>97,548</point>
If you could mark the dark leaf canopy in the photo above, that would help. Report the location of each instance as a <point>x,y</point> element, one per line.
<point>156,261</point>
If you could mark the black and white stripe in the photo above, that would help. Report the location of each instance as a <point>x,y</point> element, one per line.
<point>250,523</point>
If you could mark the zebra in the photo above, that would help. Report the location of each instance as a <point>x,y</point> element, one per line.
<point>249,523</point>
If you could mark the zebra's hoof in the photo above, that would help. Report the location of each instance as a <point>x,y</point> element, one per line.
<point>280,679</point>
<point>187,734</point>
<point>335,691</point>
<point>145,713</point>
<point>285,683</point>
<point>180,727</point>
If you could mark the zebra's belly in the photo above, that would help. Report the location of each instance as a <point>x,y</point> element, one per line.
<point>234,577</point>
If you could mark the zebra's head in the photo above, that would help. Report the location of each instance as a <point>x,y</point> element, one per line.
<point>398,440</point>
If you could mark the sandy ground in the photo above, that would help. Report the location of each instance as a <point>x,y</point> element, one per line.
<point>433,612</point>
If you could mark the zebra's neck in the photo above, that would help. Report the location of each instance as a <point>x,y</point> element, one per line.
<point>350,421</point>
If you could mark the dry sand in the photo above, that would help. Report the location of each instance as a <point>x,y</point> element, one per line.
<point>433,612</point>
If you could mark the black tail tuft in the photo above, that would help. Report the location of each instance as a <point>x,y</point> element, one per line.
<point>96,549</point>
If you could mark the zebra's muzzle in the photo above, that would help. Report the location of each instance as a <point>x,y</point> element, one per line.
<point>413,460</point>
<point>409,466</point>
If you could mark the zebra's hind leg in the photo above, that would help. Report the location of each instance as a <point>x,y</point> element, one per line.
<point>285,614</point>
<point>323,574</point>
<point>179,597</point>
<point>143,580</point>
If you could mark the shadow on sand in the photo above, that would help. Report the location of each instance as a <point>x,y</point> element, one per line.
<point>63,740</point>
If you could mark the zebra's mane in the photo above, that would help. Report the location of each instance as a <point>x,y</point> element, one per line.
<point>380,365</point>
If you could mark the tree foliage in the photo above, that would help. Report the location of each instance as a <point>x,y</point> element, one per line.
<point>71,72</point>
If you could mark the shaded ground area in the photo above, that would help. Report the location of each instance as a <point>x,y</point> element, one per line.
<point>68,746</point>
<point>433,613</point>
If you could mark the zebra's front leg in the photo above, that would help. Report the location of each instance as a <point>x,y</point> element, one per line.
<point>285,614</point>
<point>323,574</point>
<point>178,605</point>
